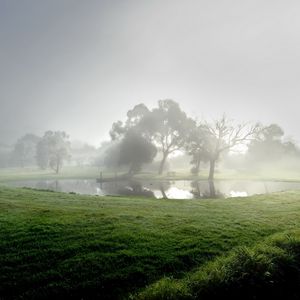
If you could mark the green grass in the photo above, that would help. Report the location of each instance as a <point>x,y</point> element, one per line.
<point>62,245</point>
<point>268,270</point>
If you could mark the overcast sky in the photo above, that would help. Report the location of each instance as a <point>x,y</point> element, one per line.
<point>78,65</point>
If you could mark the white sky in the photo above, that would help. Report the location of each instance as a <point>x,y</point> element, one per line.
<point>80,65</point>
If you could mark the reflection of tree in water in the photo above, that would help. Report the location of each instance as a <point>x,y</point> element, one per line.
<point>162,189</point>
<point>209,192</point>
<point>161,186</point>
<point>135,188</point>
<point>53,185</point>
<point>196,189</point>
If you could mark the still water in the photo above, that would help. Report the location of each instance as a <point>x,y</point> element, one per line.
<point>179,189</point>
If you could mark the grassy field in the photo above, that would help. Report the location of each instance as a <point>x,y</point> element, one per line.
<point>13,174</point>
<point>84,247</point>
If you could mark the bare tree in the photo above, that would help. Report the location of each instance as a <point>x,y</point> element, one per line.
<point>223,136</point>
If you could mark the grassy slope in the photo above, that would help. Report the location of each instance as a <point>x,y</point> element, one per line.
<point>83,246</point>
<point>266,270</point>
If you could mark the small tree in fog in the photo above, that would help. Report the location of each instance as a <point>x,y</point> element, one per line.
<point>53,150</point>
<point>270,146</point>
<point>25,150</point>
<point>222,136</point>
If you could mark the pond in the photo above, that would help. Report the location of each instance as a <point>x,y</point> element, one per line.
<point>179,189</point>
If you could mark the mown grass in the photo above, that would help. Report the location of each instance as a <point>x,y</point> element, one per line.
<point>71,246</point>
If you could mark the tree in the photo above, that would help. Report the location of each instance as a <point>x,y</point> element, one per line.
<point>135,119</point>
<point>135,150</point>
<point>196,146</point>
<point>169,126</point>
<point>270,146</point>
<point>111,155</point>
<point>133,141</point>
<point>42,154</point>
<point>25,150</point>
<point>223,136</point>
<point>53,150</point>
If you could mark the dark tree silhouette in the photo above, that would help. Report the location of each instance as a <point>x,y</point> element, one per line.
<point>133,140</point>
<point>135,150</point>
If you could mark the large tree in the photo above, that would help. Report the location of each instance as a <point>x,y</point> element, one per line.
<point>53,150</point>
<point>222,135</point>
<point>169,126</point>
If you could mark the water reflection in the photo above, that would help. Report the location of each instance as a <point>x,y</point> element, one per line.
<point>181,189</point>
<point>135,188</point>
<point>205,189</point>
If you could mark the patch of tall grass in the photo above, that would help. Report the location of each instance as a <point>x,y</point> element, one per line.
<point>268,270</point>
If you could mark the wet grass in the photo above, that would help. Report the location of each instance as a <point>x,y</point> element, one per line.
<point>268,270</point>
<point>71,246</point>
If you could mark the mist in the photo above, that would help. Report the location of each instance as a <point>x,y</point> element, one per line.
<point>149,149</point>
<point>71,70</point>
<point>77,67</point>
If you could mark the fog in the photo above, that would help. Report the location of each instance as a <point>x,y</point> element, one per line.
<point>77,67</point>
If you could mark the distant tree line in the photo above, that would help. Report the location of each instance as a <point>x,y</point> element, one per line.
<point>48,152</point>
<point>165,129</point>
<point>150,137</point>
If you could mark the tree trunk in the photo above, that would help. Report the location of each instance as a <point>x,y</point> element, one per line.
<point>212,165</point>
<point>162,163</point>
<point>197,167</point>
<point>212,190</point>
<point>58,165</point>
<point>162,189</point>
<point>130,172</point>
<point>57,168</point>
